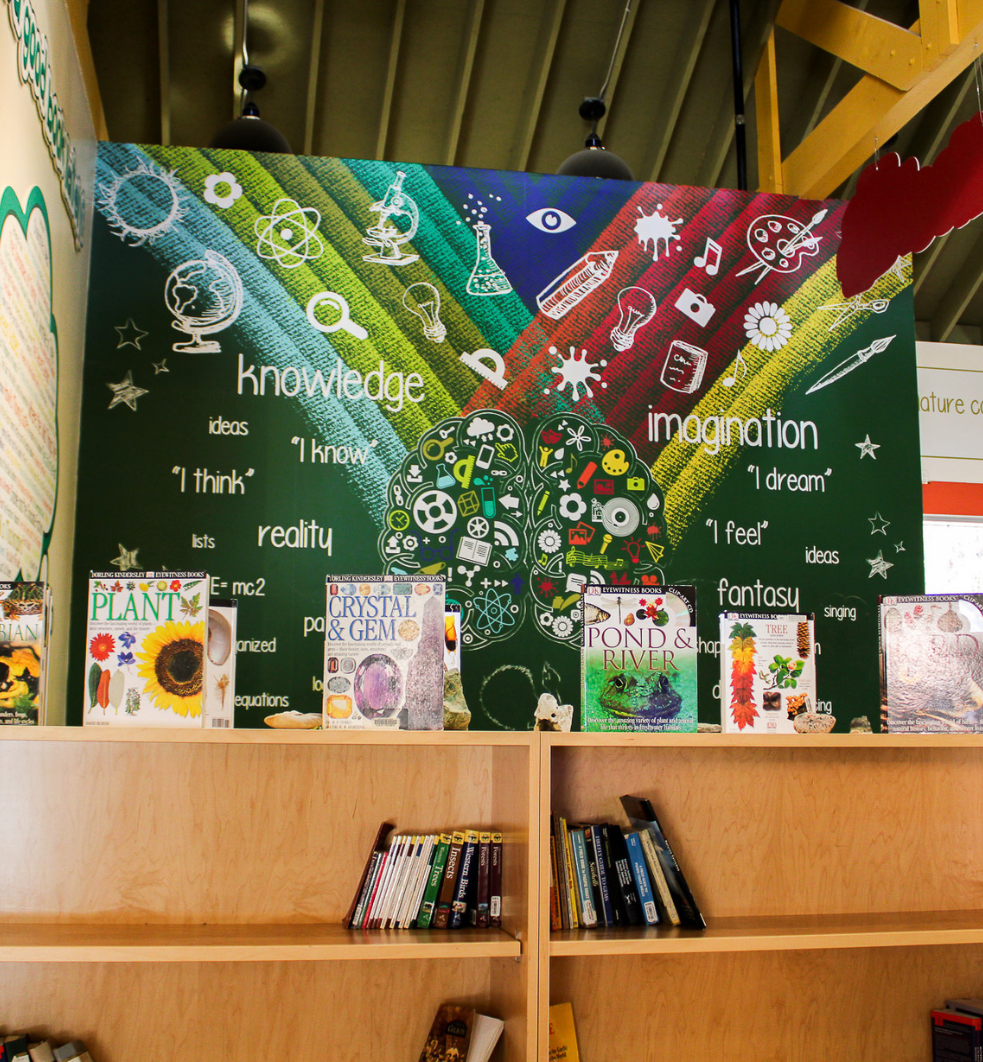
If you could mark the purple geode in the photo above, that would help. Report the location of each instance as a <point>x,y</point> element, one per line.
<point>378,686</point>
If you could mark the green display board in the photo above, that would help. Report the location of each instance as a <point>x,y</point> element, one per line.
<point>297,366</point>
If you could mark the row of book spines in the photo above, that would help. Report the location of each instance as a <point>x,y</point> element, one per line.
<point>440,881</point>
<point>603,876</point>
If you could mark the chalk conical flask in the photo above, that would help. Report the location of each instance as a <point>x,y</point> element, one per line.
<point>486,277</point>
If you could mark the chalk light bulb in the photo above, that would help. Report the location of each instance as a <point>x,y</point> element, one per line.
<point>637,308</point>
<point>423,299</point>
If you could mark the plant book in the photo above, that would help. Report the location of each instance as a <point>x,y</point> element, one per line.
<point>25,622</point>
<point>145,649</point>
<point>639,658</point>
<point>642,817</point>
<point>931,663</point>
<point>768,674</point>
<point>384,652</point>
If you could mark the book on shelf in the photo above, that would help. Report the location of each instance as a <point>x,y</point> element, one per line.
<point>639,658</point>
<point>467,879</point>
<point>642,817</point>
<point>931,660</point>
<point>435,876</point>
<point>41,1051</point>
<point>145,649</point>
<point>594,874</point>
<point>618,908</point>
<point>605,908</point>
<point>448,885</point>
<point>966,1006</point>
<point>384,645</point>
<point>569,875</point>
<point>73,1052</point>
<point>643,882</point>
<point>768,674</point>
<point>25,627</point>
<point>482,907</point>
<point>562,1034</point>
<point>376,855</point>
<point>495,882</point>
<point>220,694</point>
<point>556,921</point>
<point>956,1036</point>
<point>15,1049</point>
<point>461,1034</point>
<point>588,913</point>
<point>624,877</point>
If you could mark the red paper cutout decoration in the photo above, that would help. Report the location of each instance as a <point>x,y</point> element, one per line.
<point>900,208</point>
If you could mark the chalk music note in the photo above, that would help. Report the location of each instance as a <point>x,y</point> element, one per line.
<point>739,364</point>
<point>710,259</point>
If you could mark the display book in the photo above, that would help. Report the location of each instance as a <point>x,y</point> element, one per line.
<point>21,1047</point>
<point>157,652</point>
<point>957,1031</point>
<point>562,1034</point>
<point>430,881</point>
<point>384,647</point>
<point>639,658</point>
<point>461,1034</point>
<point>604,876</point>
<point>768,674</point>
<point>25,629</point>
<point>931,663</point>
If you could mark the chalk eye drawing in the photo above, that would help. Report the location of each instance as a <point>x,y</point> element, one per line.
<point>695,306</point>
<point>636,307</point>
<point>487,277</point>
<point>780,243</point>
<point>222,190</point>
<point>656,228</point>
<point>142,204</point>
<point>710,259</point>
<point>129,334</point>
<point>550,219</point>
<point>205,296</point>
<point>575,371</point>
<point>385,235</point>
<point>342,318</point>
<point>423,300</point>
<point>288,235</point>
<point>767,326</point>
<point>125,392</point>
<point>576,283</point>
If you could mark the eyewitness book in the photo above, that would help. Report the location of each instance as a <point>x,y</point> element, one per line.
<point>768,674</point>
<point>25,616</point>
<point>220,693</point>
<point>932,663</point>
<point>384,645</point>
<point>639,657</point>
<point>145,649</point>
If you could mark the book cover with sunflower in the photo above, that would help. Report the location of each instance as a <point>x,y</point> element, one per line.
<point>768,674</point>
<point>145,649</point>
<point>639,658</point>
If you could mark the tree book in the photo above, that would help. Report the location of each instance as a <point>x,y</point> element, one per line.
<point>384,651</point>
<point>642,817</point>
<point>639,658</point>
<point>145,661</point>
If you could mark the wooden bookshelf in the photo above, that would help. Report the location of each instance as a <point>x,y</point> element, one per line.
<point>180,892</point>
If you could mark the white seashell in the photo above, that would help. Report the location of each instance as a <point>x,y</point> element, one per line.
<point>219,638</point>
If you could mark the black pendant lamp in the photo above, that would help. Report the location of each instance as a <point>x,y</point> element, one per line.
<point>595,160</point>
<point>249,132</point>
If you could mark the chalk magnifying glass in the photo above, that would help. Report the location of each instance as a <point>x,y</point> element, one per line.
<point>344,319</point>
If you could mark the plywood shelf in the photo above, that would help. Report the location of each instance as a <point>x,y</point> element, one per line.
<point>778,934</point>
<point>42,942</point>
<point>762,742</point>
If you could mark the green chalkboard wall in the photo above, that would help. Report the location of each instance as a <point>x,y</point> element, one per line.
<point>297,366</point>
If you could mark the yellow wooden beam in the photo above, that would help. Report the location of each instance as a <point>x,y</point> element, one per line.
<point>766,111</point>
<point>875,46</point>
<point>874,111</point>
<point>939,29</point>
<point>78,13</point>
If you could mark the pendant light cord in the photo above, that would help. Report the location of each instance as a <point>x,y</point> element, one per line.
<point>614,54</point>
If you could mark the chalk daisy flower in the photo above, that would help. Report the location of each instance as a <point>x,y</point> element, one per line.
<point>171,664</point>
<point>768,326</point>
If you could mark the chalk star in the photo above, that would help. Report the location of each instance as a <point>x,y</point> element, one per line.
<point>564,484</point>
<point>126,392</point>
<point>127,559</point>
<point>899,547</point>
<point>867,447</point>
<point>129,334</point>
<point>878,524</point>
<point>160,366</point>
<point>878,565</point>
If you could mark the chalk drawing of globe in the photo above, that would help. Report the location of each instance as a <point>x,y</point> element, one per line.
<point>205,296</point>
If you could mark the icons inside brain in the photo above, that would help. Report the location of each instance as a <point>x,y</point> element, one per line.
<point>520,524</point>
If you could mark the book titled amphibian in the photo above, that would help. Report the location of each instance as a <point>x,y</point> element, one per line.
<point>639,657</point>
<point>384,652</point>
<point>25,610</point>
<point>768,674</point>
<point>145,649</point>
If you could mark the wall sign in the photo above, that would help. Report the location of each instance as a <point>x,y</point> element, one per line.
<point>524,383</point>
